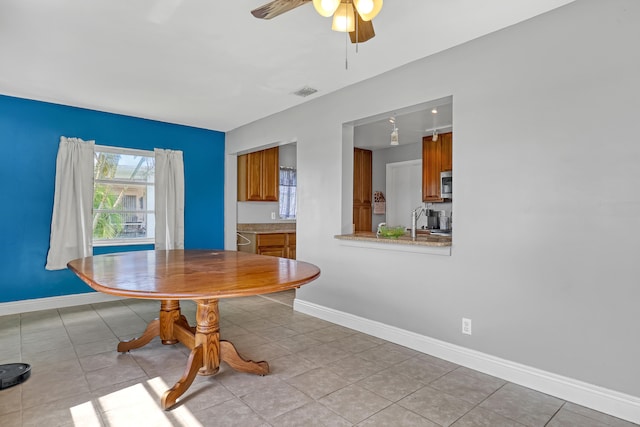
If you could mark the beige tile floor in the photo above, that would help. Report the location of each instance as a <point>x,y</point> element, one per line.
<point>321,375</point>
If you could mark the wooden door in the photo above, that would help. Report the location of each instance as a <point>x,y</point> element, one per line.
<point>362,192</point>
<point>431,167</point>
<point>364,218</point>
<point>366,178</point>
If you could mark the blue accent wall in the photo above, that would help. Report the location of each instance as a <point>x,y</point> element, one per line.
<point>30,132</point>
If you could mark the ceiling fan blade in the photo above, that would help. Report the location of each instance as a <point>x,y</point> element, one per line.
<point>364,30</point>
<point>276,7</point>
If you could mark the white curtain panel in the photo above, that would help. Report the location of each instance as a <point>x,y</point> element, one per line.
<point>71,222</point>
<point>169,189</point>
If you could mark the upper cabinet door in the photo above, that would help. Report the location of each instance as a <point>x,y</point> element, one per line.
<point>254,176</point>
<point>270,175</point>
<point>436,157</point>
<point>431,164</point>
<point>259,176</point>
<point>446,151</point>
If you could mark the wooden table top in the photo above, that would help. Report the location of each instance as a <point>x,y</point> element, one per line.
<point>191,274</point>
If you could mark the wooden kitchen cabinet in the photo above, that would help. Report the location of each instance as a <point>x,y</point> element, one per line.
<point>273,251</point>
<point>436,157</point>
<point>362,191</point>
<point>259,176</point>
<point>273,244</point>
<point>446,151</point>
<point>291,246</point>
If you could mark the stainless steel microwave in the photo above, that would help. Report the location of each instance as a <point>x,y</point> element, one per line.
<point>446,185</point>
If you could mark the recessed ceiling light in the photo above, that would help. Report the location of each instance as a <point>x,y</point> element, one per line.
<point>434,111</point>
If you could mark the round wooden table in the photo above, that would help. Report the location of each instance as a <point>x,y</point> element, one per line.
<point>203,276</point>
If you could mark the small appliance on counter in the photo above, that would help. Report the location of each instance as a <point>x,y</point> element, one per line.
<point>433,219</point>
<point>444,225</point>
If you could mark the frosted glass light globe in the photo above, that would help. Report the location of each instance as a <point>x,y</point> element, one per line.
<point>326,8</point>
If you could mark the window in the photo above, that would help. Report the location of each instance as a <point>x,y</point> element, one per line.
<point>123,196</point>
<point>288,181</point>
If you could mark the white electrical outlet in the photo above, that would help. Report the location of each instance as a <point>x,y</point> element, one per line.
<point>466,326</point>
<point>273,215</point>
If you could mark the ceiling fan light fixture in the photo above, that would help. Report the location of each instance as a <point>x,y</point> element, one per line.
<point>344,18</point>
<point>326,8</point>
<point>368,9</point>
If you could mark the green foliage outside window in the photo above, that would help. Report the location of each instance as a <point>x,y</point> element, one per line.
<point>106,225</point>
<point>122,195</point>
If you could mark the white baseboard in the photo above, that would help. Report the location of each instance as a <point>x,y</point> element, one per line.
<point>592,396</point>
<point>25,306</point>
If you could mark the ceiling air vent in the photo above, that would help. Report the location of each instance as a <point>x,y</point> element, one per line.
<point>305,91</point>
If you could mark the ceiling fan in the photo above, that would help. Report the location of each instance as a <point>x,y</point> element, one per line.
<point>352,16</point>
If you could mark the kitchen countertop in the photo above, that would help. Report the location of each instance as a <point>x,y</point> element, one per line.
<point>267,228</point>
<point>422,239</point>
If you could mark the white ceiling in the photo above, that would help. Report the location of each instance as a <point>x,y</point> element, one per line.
<point>414,122</point>
<point>210,63</point>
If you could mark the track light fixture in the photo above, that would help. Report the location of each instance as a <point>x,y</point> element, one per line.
<point>394,132</point>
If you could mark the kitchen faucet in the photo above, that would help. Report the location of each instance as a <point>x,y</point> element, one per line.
<point>415,214</point>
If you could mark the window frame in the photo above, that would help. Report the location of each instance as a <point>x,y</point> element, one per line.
<point>124,241</point>
<point>281,198</point>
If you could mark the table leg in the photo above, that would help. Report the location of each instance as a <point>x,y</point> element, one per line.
<point>214,350</point>
<point>206,348</point>
<point>230,355</point>
<point>152,331</point>
<point>169,314</point>
<point>205,355</point>
<point>195,361</point>
<point>163,327</point>
<point>208,335</point>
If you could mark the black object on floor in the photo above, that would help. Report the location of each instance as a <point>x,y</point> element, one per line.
<point>13,373</point>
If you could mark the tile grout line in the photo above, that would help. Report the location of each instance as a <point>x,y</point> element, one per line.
<point>98,314</point>
<point>555,413</point>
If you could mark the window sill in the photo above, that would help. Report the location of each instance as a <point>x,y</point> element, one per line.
<point>123,242</point>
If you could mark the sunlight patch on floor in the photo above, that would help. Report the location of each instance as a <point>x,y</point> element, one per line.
<point>85,415</point>
<point>138,404</point>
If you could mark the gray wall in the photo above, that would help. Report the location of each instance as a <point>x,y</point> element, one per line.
<point>546,122</point>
